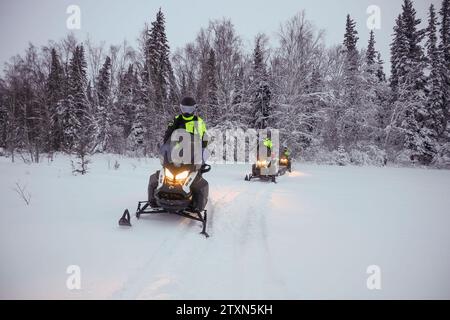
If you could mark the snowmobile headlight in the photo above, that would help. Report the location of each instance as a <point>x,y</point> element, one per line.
<point>168,174</point>
<point>182,176</point>
<point>261,163</point>
<point>283,161</point>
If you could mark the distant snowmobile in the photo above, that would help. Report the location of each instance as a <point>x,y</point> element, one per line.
<point>285,165</point>
<point>265,170</point>
<point>173,194</point>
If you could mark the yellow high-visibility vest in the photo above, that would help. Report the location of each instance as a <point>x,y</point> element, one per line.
<point>194,126</point>
<point>268,143</point>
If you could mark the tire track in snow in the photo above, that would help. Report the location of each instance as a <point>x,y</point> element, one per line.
<point>240,231</point>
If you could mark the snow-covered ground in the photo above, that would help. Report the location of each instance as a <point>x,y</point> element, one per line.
<point>312,235</point>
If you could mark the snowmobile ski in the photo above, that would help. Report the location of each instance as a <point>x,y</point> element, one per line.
<point>145,208</point>
<point>125,219</point>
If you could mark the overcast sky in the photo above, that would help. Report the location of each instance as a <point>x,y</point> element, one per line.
<point>112,21</point>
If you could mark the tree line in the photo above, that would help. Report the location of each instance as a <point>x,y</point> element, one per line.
<point>330,103</point>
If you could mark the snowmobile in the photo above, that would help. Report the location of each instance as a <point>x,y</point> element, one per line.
<point>285,165</point>
<point>173,194</point>
<point>266,169</point>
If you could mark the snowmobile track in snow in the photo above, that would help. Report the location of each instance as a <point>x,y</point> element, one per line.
<point>136,282</point>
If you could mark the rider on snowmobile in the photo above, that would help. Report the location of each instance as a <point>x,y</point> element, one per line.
<point>286,158</point>
<point>268,143</point>
<point>194,125</point>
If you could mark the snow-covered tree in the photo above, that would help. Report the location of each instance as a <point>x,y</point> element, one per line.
<point>351,120</point>
<point>371,53</point>
<point>298,94</point>
<point>104,110</point>
<point>444,50</point>
<point>260,89</point>
<point>321,98</point>
<point>78,114</point>
<point>399,49</point>
<point>212,112</point>
<point>381,75</point>
<point>436,121</point>
<point>227,47</point>
<point>158,82</point>
<point>55,95</point>
<point>352,60</point>
<point>410,88</point>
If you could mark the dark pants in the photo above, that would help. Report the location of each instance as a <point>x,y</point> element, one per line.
<point>199,189</point>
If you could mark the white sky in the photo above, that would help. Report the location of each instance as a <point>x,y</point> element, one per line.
<point>112,21</point>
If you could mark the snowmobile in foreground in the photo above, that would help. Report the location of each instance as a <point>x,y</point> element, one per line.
<point>266,169</point>
<point>173,194</point>
<point>285,165</point>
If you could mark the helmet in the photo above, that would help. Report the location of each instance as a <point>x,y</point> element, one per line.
<point>188,106</point>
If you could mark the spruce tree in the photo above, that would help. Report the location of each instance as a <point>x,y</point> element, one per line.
<point>213,105</point>
<point>127,92</point>
<point>435,100</point>
<point>159,81</point>
<point>137,137</point>
<point>239,106</point>
<point>104,107</point>
<point>350,118</point>
<point>444,50</point>
<point>418,139</point>
<point>79,125</point>
<point>351,62</point>
<point>380,69</point>
<point>351,35</point>
<point>371,53</point>
<point>261,93</point>
<point>399,50</point>
<point>104,82</point>
<point>55,95</point>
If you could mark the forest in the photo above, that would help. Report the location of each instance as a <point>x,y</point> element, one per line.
<point>332,104</point>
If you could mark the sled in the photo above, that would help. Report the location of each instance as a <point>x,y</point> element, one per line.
<point>264,170</point>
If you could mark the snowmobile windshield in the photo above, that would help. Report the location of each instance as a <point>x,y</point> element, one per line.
<point>177,169</point>
<point>187,109</point>
<point>168,150</point>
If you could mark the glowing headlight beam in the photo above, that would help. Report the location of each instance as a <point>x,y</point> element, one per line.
<point>183,175</point>
<point>168,174</point>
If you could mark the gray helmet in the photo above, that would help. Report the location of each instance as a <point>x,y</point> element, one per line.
<point>188,106</point>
